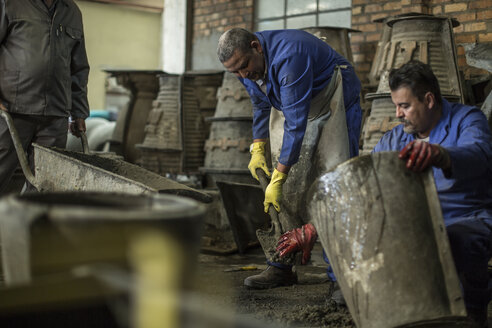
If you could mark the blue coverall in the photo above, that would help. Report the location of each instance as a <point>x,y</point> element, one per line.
<point>299,66</point>
<point>466,196</point>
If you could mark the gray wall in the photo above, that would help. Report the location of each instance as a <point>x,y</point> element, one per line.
<point>204,51</point>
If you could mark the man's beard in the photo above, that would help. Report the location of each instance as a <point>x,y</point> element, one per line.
<point>408,127</point>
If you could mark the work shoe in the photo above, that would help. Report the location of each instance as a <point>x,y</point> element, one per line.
<point>477,318</point>
<point>271,277</point>
<point>337,296</point>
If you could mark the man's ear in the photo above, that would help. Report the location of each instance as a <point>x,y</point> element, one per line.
<point>255,44</point>
<point>430,100</point>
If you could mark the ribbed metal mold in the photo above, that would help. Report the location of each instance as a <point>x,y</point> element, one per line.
<point>425,38</point>
<point>227,154</point>
<point>176,128</point>
<point>336,37</point>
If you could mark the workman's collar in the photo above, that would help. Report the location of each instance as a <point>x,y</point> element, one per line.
<point>440,131</point>
<point>261,39</point>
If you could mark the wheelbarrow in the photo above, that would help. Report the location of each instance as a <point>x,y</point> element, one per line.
<point>63,170</point>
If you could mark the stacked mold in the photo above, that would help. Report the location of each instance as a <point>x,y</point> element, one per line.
<point>227,148</point>
<point>175,132</point>
<point>336,37</point>
<point>410,37</point>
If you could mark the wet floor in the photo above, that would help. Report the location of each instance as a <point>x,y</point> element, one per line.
<point>306,304</point>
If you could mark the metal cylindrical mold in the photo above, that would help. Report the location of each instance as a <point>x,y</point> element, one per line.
<point>382,228</point>
<point>204,85</point>
<point>52,232</point>
<point>199,90</point>
<point>428,39</point>
<point>384,40</point>
<point>336,37</point>
<point>227,148</point>
<point>129,129</point>
<point>176,129</point>
<point>162,147</point>
<point>381,120</point>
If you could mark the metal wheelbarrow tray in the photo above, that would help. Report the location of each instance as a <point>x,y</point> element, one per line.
<point>63,170</point>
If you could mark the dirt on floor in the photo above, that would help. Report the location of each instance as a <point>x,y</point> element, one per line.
<point>307,304</point>
<point>219,282</point>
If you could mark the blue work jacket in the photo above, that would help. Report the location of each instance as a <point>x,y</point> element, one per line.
<point>299,66</point>
<point>464,132</point>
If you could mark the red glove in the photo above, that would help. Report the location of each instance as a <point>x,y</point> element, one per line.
<point>298,239</point>
<point>420,155</point>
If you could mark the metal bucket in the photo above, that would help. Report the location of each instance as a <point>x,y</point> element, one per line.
<point>382,228</point>
<point>227,148</point>
<point>53,232</point>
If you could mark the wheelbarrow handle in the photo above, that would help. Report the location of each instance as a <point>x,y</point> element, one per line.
<point>21,154</point>
<point>85,143</point>
<point>271,210</point>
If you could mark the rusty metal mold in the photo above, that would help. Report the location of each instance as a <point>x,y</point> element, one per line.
<point>176,129</point>
<point>227,149</point>
<point>382,119</point>
<point>382,228</point>
<point>428,39</point>
<point>336,37</point>
<point>129,129</point>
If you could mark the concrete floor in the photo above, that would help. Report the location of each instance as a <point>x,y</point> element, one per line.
<point>306,304</point>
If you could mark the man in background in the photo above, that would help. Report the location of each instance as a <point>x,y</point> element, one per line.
<point>43,76</point>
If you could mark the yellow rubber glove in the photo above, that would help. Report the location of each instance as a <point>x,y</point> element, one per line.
<point>258,160</point>
<point>273,192</point>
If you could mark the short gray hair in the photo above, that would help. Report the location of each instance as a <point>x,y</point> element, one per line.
<point>232,40</point>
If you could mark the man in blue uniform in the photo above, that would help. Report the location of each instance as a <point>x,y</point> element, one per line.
<point>296,73</point>
<point>454,140</point>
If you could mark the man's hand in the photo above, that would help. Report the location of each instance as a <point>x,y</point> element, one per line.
<point>77,126</point>
<point>419,155</point>
<point>296,240</point>
<point>258,160</point>
<point>273,192</point>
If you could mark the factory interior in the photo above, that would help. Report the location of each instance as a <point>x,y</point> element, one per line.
<point>152,218</point>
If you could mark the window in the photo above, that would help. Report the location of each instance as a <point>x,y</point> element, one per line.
<point>279,14</point>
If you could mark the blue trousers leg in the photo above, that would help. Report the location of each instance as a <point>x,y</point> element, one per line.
<point>471,246</point>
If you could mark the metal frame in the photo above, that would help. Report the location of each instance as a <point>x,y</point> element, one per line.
<point>285,16</point>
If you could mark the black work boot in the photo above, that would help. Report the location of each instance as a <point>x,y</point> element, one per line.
<point>337,295</point>
<point>477,318</point>
<point>271,277</point>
